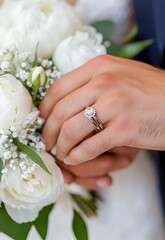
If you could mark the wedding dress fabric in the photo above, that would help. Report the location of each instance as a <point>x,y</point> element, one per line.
<point>132,207</point>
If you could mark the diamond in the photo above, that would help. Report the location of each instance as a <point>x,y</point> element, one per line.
<point>89,112</point>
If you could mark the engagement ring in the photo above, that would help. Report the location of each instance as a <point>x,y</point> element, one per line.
<point>90,113</point>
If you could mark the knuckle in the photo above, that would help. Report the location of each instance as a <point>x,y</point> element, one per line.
<point>90,148</point>
<point>106,81</point>
<point>105,60</point>
<point>102,60</point>
<point>99,61</point>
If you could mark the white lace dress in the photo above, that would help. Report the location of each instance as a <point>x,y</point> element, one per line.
<point>132,206</point>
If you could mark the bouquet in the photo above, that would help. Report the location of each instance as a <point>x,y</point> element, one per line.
<point>41,40</point>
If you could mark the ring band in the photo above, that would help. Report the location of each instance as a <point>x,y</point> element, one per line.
<point>90,113</point>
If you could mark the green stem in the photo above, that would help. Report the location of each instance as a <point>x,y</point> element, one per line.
<point>35,94</point>
<point>89,210</point>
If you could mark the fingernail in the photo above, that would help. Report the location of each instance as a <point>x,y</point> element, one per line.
<point>67,161</point>
<point>103,183</point>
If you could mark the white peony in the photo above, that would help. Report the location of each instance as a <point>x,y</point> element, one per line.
<point>24,199</point>
<point>76,50</point>
<point>32,22</point>
<point>15,102</point>
<point>5,12</point>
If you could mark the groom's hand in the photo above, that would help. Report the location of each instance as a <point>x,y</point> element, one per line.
<point>95,174</point>
<point>129,98</point>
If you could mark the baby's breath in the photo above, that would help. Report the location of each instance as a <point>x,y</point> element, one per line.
<point>20,64</point>
<point>29,134</point>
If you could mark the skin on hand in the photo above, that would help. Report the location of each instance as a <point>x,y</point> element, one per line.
<point>72,2</point>
<point>129,98</point>
<point>94,174</point>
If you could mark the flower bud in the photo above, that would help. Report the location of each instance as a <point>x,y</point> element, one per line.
<point>38,77</point>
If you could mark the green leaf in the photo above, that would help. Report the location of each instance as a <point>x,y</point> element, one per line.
<point>114,49</point>
<point>30,152</point>
<point>79,227</point>
<point>105,28</point>
<point>35,62</point>
<point>131,35</point>
<point>11,228</point>
<point>42,221</point>
<point>1,167</point>
<point>21,231</point>
<point>133,49</point>
<point>130,50</point>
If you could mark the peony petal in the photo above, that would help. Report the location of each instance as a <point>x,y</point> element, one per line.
<point>22,215</point>
<point>28,20</point>
<point>76,50</point>
<point>5,237</point>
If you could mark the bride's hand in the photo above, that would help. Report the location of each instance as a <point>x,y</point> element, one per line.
<point>95,174</point>
<point>129,98</point>
<point>72,2</point>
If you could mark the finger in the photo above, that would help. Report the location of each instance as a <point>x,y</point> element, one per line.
<point>98,167</point>
<point>95,183</point>
<point>125,151</point>
<point>63,87</point>
<point>117,133</point>
<point>76,129</point>
<point>72,132</point>
<point>65,109</point>
<point>68,177</point>
<point>92,147</point>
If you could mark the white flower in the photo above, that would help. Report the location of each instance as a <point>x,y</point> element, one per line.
<point>15,102</point>
<point>32,22</point>
<point>24,199</point>
<point>5,16</point>
<point>76,50</point>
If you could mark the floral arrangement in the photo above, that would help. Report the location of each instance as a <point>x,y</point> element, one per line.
<point>41,40</point>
